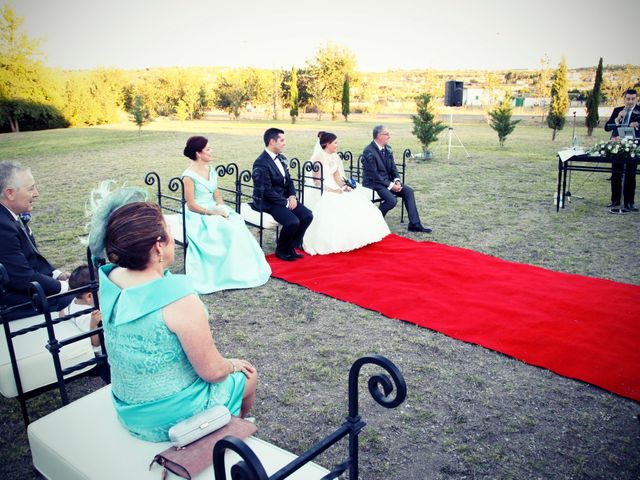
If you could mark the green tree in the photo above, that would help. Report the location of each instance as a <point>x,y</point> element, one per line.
<point>139,112</point>
<point>559,99</point>
<point>593,101</point>
<point>345,99</point>
<point>237,89</point>
<point>541,86</point>
<point>501,119</point>
<point>618,81</point>
<point>293,95</point>
<point>327,71</point>
<point>182,111</point>
<point>302,84</point>
<point>425,127</point>
<point>28,91</point>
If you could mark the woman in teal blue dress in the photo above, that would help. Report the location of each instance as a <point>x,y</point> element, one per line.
<point>222,254</point>
<point>165,366</point>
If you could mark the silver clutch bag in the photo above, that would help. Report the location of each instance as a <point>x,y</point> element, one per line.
<point>201,424</point>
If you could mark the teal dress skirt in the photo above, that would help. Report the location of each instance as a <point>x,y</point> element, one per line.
<point>153,384</point>
<point>222,254</point>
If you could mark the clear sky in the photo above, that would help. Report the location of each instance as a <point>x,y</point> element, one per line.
<point>383,34</point>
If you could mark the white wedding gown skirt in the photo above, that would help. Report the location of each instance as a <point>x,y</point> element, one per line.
<point>343,222</point>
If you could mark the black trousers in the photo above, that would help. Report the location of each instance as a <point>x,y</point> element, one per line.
<point>294,223</point>
<point>390,199</point>
<point>628,189</point>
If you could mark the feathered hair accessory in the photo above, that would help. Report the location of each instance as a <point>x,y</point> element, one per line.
<point>102,203</point>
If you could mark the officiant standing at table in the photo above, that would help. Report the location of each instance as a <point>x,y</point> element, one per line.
<point>380,174</point>
<point>625,116</point>
<point>275,194</point>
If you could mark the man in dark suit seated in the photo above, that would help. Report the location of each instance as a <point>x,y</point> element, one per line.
<point>380,174</point>
<point>19,253</point>
<point>275,194</point>
<point>625,116</point>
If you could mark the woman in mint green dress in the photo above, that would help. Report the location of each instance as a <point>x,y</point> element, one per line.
<point>165,366</point>
<point>222,254</point>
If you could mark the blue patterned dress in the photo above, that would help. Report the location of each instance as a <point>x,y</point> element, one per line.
<point>152,382</point>
<point>222,254</point>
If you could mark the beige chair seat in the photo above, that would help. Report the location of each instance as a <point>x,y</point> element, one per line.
<point>35,362</point>
<point>84,440</point>
<point>252,216</point>
<point>174,221</point>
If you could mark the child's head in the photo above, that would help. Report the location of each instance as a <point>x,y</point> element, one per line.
<point>79,278</point>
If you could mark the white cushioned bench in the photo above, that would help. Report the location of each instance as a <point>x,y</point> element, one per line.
<point>84,440</point>
<point>34,360</point>
<point>252,216</point>
<point>174,221</point>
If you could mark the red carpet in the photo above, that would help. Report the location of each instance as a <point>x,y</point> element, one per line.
<point>580,327</point>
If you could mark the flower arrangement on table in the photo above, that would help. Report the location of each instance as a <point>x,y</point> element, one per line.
<point>617,148</point>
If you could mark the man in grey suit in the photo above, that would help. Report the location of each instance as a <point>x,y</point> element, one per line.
<point>380,174</point>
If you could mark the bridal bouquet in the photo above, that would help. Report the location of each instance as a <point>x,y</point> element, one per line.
<point>620,148</point>
<point>349,182</point>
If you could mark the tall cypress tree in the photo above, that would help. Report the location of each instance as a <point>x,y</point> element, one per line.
<point>345,99</point>
<point>293,95</point>
<point>593,101</point>
<point>559,99</point>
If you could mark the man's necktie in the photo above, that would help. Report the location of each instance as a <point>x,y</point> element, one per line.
<point>23,227</point>
<point>627,119</point>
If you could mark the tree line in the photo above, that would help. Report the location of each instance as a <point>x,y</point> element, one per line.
<point>33,96</point>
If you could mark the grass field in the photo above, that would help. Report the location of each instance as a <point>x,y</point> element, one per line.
<point>470,412</point>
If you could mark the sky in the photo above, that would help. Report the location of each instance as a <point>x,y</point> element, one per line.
<point>383,35</point>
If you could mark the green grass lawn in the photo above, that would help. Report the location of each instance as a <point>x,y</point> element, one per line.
<point>471,413</point>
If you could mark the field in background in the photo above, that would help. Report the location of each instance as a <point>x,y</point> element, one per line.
<point>470,413</point>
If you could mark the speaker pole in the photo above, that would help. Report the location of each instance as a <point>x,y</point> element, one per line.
<point>451,134</point>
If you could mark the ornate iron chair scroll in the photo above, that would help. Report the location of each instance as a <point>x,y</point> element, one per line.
<point>176,206</point>
<point>258,219</point>
<point>381,386</point>
<point>311,178</point>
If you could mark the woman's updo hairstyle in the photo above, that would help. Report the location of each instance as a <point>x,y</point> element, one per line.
<point>194,145</point>
<point>325,138</point>
<point>131,232</point>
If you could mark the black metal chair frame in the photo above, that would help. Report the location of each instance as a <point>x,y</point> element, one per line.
<point>175,185</point>
<point>40,303</point>
<point>356,173</point>
<point>250,467</point>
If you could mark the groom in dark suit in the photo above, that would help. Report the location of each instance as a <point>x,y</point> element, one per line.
<point>19,253</point>
<point>275,194</point>
<point>380,174</point>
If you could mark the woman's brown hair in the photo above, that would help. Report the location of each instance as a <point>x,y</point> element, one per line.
<point>131,232</point>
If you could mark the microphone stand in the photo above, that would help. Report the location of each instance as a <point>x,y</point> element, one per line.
<point>574,141</point>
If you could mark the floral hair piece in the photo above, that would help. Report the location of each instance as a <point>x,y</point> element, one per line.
<point>102,203</point>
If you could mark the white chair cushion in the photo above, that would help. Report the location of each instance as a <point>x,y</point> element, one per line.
<point>84,440</point>
<point>252,216</point>
<point>174,221</point>
<point>35,363</point>
<point>367,192</point>
<point>311,197</point>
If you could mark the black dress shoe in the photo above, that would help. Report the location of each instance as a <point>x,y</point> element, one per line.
<point>296,254</point>
<point>618,211</point>
<point>630,207</point>
<point>286,256</point>
<point>614,205</point>
<point>418,228</point>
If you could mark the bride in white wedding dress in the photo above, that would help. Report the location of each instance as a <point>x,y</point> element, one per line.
<point>343,219</point>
